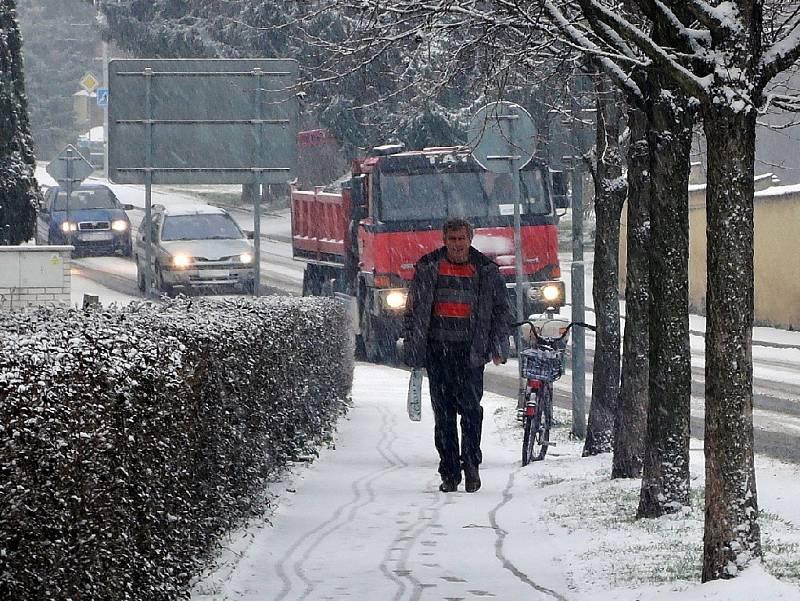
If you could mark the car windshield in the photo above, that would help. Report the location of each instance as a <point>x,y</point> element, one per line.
<point>96,198</point>
<point>465,194</point>
<point>200,227</point>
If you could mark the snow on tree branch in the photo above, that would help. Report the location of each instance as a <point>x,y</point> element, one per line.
<point>783,53</point>
<point>690,82</point>
<point>582,43</point>
<point>722,18</point>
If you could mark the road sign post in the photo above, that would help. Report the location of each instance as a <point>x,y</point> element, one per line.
<point>69,169</point>
<point>503,137</point>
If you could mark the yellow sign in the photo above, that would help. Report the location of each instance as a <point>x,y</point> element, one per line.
<point>89,82</point>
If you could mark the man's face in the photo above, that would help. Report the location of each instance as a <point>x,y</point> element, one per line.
<point>457,243</point>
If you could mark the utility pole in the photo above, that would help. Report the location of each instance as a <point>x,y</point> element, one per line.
<point>577,273</point>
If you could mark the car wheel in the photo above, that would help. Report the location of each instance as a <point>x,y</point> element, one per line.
<point>140,278</point>
<point>160,285</point>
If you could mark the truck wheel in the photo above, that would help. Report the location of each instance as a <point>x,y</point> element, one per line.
<point>379,347</point>
<point>312,281</point>
<point>370,335</point>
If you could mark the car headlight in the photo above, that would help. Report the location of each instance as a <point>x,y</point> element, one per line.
<point>69,226</point>
<point>119,225</point>
<point>181,260</point>
<point>246,258</point>
<point>551,292</point>
<point>396,299</point>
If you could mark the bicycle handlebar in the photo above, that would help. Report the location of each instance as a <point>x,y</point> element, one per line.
<point>548,340</point>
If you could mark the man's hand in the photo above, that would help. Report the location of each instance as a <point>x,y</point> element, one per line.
<point>498,360</point>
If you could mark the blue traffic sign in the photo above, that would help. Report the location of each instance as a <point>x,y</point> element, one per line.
<point>102,96</point>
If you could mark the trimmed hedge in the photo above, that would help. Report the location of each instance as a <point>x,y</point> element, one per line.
<point>131,438</point>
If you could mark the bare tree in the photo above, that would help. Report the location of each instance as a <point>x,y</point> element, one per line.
<point>630,421</point>
<point>665,479</point>
<point>721,55</point>
<point>610,192</point>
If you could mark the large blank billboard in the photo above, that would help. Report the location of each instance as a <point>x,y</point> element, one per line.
<point>214,121</point>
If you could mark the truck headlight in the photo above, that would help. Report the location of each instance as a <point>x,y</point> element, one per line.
<point>396,299</point>
<point>181,260</point>
<point>69,226</point>
<point>119,225</point>
<point>546,292</point>
<point>551,292</point>
<point>246,258</point>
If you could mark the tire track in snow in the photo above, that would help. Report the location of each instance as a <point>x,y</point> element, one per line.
<point>500,540</point>
<point>363,495</point>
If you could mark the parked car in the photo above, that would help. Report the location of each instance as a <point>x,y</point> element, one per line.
<point>97,220</point>
<point>195,247</point>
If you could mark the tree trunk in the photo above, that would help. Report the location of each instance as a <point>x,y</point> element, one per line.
<point>732,535</point>
<point>665,477</point>
<point>610,194</point>
<point>19,193</point>
<point>630,422</point>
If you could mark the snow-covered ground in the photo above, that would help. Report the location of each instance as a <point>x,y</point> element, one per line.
<point>366,521</point>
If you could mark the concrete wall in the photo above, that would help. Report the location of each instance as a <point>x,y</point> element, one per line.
<point>34,275</point>
<point>776,252</point>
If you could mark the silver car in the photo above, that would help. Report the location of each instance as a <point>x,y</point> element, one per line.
<point>195,247</point>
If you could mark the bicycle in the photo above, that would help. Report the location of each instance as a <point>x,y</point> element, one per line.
<point>541,366</point>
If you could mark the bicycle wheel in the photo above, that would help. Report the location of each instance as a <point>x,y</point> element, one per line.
<point>531,427</point>
<point>545,414</point>
<point>529,437</point>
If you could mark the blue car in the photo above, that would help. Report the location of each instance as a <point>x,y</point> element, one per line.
<point>93,221</point>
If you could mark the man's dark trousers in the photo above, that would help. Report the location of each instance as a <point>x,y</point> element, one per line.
<point>456,389</point>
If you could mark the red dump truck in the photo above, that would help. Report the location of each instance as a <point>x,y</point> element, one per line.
<point>362,243</point>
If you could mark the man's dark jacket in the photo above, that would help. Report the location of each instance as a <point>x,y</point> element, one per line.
<point>489,323</point>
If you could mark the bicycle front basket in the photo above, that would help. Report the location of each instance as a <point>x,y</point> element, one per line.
<point>541,364</point>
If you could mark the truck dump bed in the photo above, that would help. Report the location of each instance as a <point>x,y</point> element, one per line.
<point>319,226</point>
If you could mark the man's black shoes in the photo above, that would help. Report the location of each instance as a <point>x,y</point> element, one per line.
<point>473,479</point>
<point>449,484</point>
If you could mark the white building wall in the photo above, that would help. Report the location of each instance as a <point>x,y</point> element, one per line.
<point>34,275</point>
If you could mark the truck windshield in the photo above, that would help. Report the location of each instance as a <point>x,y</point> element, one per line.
<point>465,194</point>
<point>95,198</point>
<point>200,227</point>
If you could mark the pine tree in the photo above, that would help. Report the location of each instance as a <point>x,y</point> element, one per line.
<point>18,189</point>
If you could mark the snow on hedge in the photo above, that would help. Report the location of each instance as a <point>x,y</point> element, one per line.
<point>131,437</point>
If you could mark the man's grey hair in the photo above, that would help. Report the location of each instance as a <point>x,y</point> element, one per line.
<point>456,223</point>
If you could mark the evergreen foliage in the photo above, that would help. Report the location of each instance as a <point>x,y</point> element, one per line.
<point>132,438</point>
<point>60,39</point>
<point>18,189</point>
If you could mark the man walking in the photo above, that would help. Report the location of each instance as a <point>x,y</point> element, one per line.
<point>457,319</point>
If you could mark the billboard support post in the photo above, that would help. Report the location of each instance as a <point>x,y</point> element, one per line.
<point>259,183</point>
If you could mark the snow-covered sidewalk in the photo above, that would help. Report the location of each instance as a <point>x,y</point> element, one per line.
<point>366,521</point>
